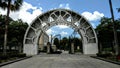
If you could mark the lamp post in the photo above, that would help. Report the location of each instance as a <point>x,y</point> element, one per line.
<point>114,30</point>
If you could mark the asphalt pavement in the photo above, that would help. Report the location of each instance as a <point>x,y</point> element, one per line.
<point>64,60</point>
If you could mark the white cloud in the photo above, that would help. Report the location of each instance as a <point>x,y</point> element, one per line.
<point>93,24</point>
<point>66,6</point>
<point>62,26</point>
<point>49,31</point>
<point>92,16</point>
<point>56,30</point>
<point>24,14</point>
<point>63,33</point>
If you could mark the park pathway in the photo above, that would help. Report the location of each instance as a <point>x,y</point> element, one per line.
<point>61,61</point>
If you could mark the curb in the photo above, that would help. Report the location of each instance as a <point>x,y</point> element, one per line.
<point>106,60</point>
<point>9,62</point>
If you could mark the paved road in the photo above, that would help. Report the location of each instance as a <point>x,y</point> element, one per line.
<point>61,61</point>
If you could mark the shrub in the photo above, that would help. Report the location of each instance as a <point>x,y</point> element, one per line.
<point>104,55</point>
<point>21,55</point>
<point>118,56</point>
<point>57,52</point>
<point>3,57</point>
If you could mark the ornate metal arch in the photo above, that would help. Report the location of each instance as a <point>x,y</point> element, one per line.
<point>60,17</point>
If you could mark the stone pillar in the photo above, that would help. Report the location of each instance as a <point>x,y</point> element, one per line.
<point>91,48</point>
<point>30,49</point>
<point>72,48</point>
<point>48,47</point>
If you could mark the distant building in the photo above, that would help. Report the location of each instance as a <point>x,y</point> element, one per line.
<point>44,38</point>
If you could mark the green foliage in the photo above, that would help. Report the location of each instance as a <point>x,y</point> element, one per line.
<point>65,43</point>
<point>104,55</point>
<point>14,4</point>
<point>57,43</point>
<point>10,5</point>
<point>105,33</point>
<point>10,55</point>
<point>118,9</point>
<point>77,42</point>
<point>3,57</point>
<point>16,31</point>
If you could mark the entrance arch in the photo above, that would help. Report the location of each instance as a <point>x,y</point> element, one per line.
<point>60,17</point>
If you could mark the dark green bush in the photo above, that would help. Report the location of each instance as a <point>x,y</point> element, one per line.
<point>118,56</point>
<point>12,55</point>
<point>21,55</point>
<point>0,61</point>
<point>104,55</point>
<point>57,52</point>
<point>3,57</point>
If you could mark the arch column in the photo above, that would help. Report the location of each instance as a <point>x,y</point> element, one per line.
<point>30,49</point>
<point>90,48</point>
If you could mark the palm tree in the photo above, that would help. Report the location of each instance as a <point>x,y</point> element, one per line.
<point>10,5</point>
<point>114,29</point>
<point>118,9</point>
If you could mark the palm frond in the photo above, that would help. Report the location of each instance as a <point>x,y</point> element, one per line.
<point>14,6</point>
<point>17,4</point>
<point>3,5</point>
<point>118,9</point>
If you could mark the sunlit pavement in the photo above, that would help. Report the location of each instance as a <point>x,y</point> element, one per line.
<point>61,61</point>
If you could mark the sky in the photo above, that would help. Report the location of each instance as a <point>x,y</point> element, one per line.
<point>93,10</point>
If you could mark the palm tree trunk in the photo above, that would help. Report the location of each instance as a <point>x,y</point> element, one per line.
<point>6,27</point>
<point>114,29</point>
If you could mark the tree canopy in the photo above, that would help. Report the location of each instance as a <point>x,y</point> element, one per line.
<point>105,32</point>
<point>16,31</point>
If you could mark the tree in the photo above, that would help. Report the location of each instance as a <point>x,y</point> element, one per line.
<point>2,27</point>
<point>114,29</point>
<point>105,33</point>
<point>16,34</point>
<point>118,9</point>
<point>57,43</point>
<point>64,44</point>
<point>12,5</point>
<point>77,42</point>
